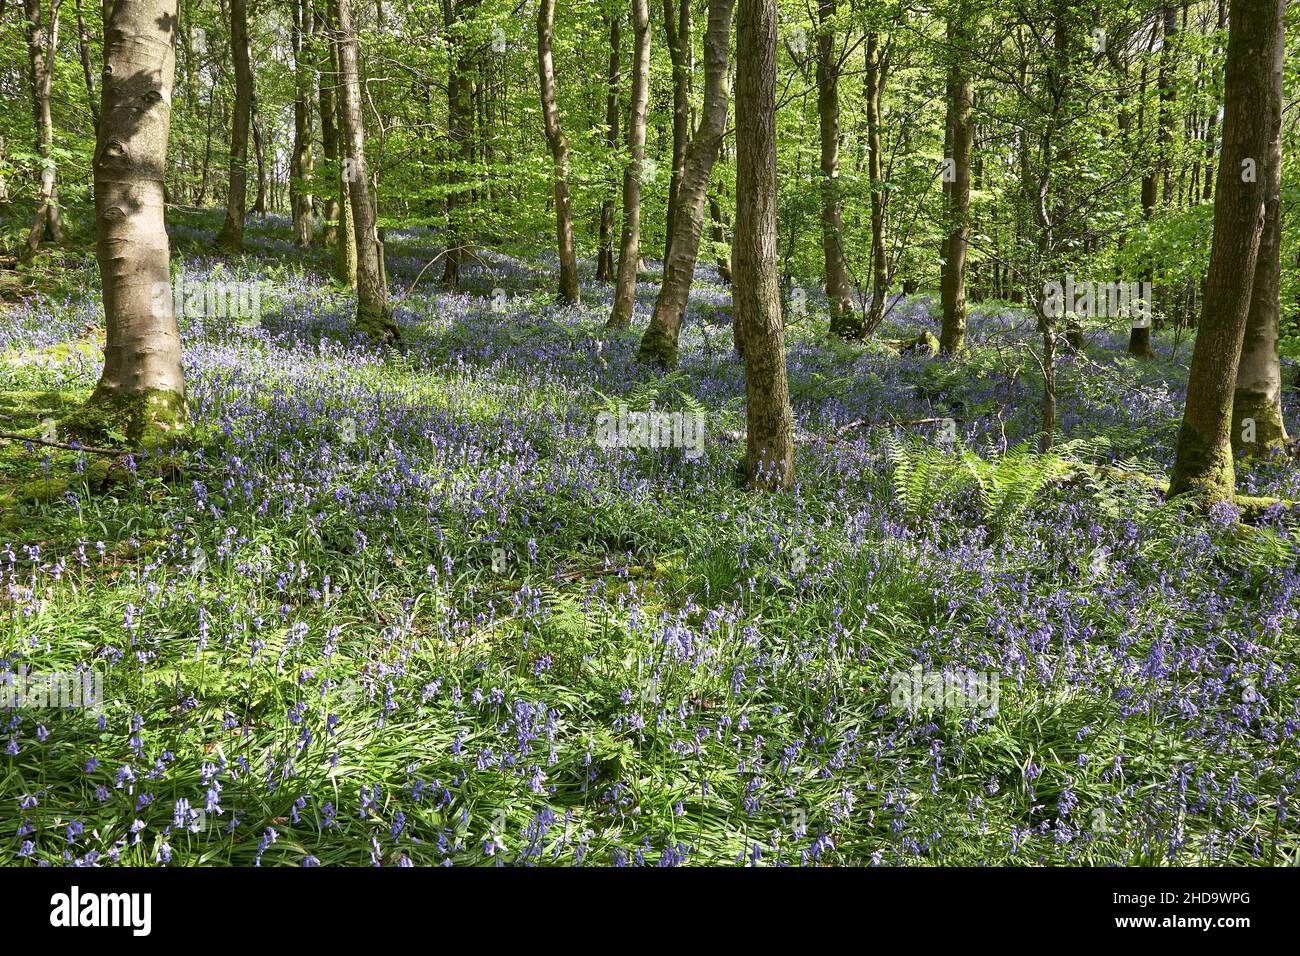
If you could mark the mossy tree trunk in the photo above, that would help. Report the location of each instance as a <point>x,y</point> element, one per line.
<point>1257,424</point>
<point>42,46</point>
<point>230,239</point>
<point>1203,465</point>
<point>629,252</point>
<point>844,321</point>
<point>677,32</point>
<point>460,129</point>
<point>373,315</point>
<point>569,291</point>
<point>874,83</point>
<point>659,344</point>
<point>302,162</point>
<point>605,258</point>
<point>141,392</point>
<point>769,451</point>
<point>329,131</point>
<point>952,337</point>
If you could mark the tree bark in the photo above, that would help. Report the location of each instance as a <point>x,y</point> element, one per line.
<point>952,336</point>
<point>659,344</point>
<point>302,162</point>
<point>460,126</point>
<point>83,51</point>
<point>629,254</point>
<point>677,31</point>
<point>1203,466</point>
<point>230,239</point>
<point>720,237</point>
<point>569,291</point>
<point>373,316</point>
<point>605,258</point>
<point>844,321</point>
<point>769,444</point>
<point>259,153</point>
<point>42,46</point>
<point>328,107</point>
<point>874,80</point>
<point>141,391</point>
<point>1139,339</point>
<point>1257,423</point>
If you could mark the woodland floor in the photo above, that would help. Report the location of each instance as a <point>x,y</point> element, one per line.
<point>469,635</point>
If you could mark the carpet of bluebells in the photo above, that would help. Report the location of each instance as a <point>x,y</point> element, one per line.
<point>401,609</point>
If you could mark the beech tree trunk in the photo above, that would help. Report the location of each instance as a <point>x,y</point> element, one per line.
<point>843,318</point>
<point>952,336</point>
<point>141,391</point>
<point>677,31</point>
<point>605,257</point>
<point>629,254</point>
<point>259,153</point>
<point>83,51</point>
<point>329,135</point>
<point>302,162</point>
<point>373,316</point>
<point>230,239</point>
<point>42,46</point>
<point>569,291</point>
<point>769,443</point>
<point>460,127</point>
<point>1257,424</point>
<point>659,344</point>
<point>1203,466</point>
<point>874,81</point>
<point>720,237</point>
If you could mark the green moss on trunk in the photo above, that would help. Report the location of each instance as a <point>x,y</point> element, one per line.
<point>148,419</point>
<point>378,324</point>
<point>1202,469</point>
<point>1257,425</point>
<point>658,348</point>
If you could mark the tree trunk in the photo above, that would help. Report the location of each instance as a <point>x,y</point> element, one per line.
<point>952,336</point>
<point>769,443</point>
<point>1168,93</point>
<point>1257,424</point>
<point>460,127</point>
<point>42,46</point>
<point>874,80</point>
<point>373,316</point>
<point>605,258</point>
<point>141,392</point>
<point>630,243</point>
<point>83,51</point>
<point>720,237</point>
<point>230,239</point>
<point>1207,192</point>
<point>844,321</point>
<point>1139,339</point>
<point>559,144</point>
<point>677,30</point>
<point>302,163</point>
<point>328,106</point>
<point>255,117</point>
<point>659,344</point>
<point>1203,464</point>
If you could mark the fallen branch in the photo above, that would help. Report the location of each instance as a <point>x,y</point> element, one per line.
<point>116,452</point>
<point>868,422</point>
